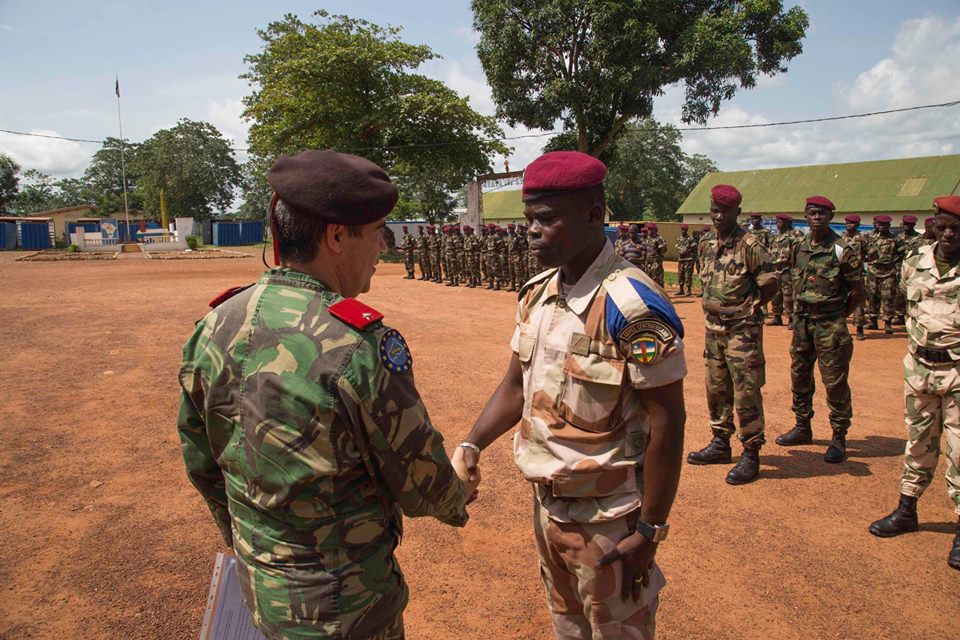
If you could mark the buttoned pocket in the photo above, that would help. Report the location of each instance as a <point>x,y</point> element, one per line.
<point>592,389</point>
<point>527,340</point>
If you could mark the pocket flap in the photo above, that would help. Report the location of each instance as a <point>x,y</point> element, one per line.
<point>594,368</point>
<point>525,349</point>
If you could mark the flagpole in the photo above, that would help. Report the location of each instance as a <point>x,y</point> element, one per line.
<point>123,166</point>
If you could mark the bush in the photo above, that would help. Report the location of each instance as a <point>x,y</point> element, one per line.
<point>59,244</point>
<point>194,242</point>
<point>73,248</point>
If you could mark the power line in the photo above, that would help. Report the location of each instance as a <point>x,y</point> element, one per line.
<point>554,133</point>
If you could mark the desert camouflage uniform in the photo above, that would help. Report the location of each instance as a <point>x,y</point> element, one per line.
<point>686,258</point>
<point>931,373</point>
<point>884,256</point>
<point>911,243</point>
<point>583,433</point>
<point>822,278</point>
<point>407,245</point>
<point>437,256</point>
<point>781,246</point>
<point>471,258</point>
<point>423,249</point>
<point>656,249</point>
<point>732,273</point>
<point>307,437</point>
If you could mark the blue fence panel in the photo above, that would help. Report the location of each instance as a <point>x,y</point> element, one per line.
<point>251,232</point>
<point>36,235</point>
<point>8,236</point>
<point>226,234</point>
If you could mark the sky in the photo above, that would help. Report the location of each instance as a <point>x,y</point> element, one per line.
<point>178,59</point>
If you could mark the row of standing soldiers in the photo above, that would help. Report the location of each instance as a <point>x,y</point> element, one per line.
<point>643,246</point>
<point>497,256</point>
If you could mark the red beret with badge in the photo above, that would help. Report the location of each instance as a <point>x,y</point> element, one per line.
<point>684,226</point>
<point>726,195</point>
<point>821,201</point>
<point>756,215</point>
<point>651,225</point>
<point>947,204</point>
<point>786,217</point>
<point>909,219</point>
<point>852,218</point>
<point>559,172</point>
<point>882,218</point>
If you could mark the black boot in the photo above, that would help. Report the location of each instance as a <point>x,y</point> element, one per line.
<point>747,469</point>
<point>903,519</point>
<point>887,328</point>
<point>860,335</point>
<point>837,451</point>
<point>873,325</point>
<point>775,321</point>
<point>800,434</point>
<point>717,452</point>
<point>954,558</point>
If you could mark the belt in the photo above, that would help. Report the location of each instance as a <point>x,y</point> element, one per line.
<point>940,356</point>
<point>820,310</point>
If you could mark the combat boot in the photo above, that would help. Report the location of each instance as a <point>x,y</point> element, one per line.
<point>800,434</point>
<point>747,469</point>
<point>903,519</point>
<point>888,327</point>
<point>775,321</point>
<point>873,325</point>
<point>837,451</point>
<point>860,335</point>
<point>717,452</point>
<point>954,558</point>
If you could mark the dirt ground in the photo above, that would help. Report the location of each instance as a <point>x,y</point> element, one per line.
<point>101,536</point>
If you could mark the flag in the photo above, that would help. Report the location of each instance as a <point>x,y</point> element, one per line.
<point>117,87</point>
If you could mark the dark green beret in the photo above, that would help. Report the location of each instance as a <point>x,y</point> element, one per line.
<point>337,187</point>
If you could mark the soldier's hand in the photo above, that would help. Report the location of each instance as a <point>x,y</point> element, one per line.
<point>636,552</point>
<point>713,307</point>
<point>470,475</point>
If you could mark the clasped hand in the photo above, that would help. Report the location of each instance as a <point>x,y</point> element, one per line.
<point>465,464</point>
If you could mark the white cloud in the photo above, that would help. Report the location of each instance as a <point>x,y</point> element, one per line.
<point>226,115</point>
<point>59,158</point>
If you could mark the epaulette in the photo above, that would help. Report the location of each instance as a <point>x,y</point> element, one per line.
<point>355,314</point>
<point>226,294</point>
<point>540,277</point>
<point>750,239</point>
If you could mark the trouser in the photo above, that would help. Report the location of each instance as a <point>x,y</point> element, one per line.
<point>585,602</point>
<point>483,266</point>
<point>471,270</point>
<point>783,298</point>
<point>408,262</point>
<point>735,375</point>
<point>826,342</point>
<point>886,295</point>
<point>685,275</point>
<point>438,266</point>
<point>931,397</point>
<point>655,271</point>
<point>424,261</point>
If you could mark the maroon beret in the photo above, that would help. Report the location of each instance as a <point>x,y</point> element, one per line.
<point>651,225</point>
<point>909,219</point>
<point>726,195</point>
<point>684,226</point>
<point>510,225</point>
<point>706,227</point>
<point>756,215</point>
<point>947,204</point>
<point>785,216</point>
<point>467,227</point>
<point>852,218</point>
<point>561,172</point>
<point>881,218</point>
<point>404,226</point>
<point>820,201</point>
<point>927,221</point>
<point>623,227</point>
<point>337,187</point>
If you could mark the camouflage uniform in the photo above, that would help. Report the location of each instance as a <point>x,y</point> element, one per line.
<point>656,248</point>
<point>686,258</point>
<point>499,260</point>
<point>858,243</point>
<point>492,268</point>
<point>822,275</point>
<point>437,256</point>
<point>533,265</point>
<point>483,253</point>
<point>931,371</point>
<point>307,437</point>
<point>471,256</point>
<point>582,434</point>
<point>763,235</point>
<point>523,273</point>
<point>732,273</point>
<point>407,245</point>
<point>911,243</point>
<point>513,260</point>
<point>449,259</point>
<point>423,249</point>
<point>781,247</point>
<point>459,259</point>
<point>884,255</point>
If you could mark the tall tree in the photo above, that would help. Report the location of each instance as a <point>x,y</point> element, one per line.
<point>104,177</point>
<point>595,65</point>
<point>348,84</point>
<point>695,167</point>
<point>193,163</point>
<point>37,192</point>
<point>8,183</point>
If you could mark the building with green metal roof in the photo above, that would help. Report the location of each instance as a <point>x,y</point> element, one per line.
<point>503,207</point>
<point>892,187</point>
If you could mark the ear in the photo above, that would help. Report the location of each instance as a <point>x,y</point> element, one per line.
<point>333,237</point>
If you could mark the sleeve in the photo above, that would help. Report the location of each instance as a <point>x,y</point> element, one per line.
<point>759,263</point>
<point>850,265</point>
<point>515,339</point>
<point>394,432</point>
<point>902,280</point>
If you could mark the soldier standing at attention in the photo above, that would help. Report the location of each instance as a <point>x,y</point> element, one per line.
<point>756,228</point>
<point>780,251</point>
<point>408,248</point>
<point>499,257</point>
<point>697,264</point>
<point>911,241</point>
<point>686,258</point>
<point>737,280</point>
<point>858,242</point>
<point>471,257</point>
<point>929,235</point>
<point>423,253</point>
<point>300,422</point>
<point>656,249</point>
<point>436,254</point>
<point>491,255</point>
<point>931,371</point>
<point>596,382</point>
<point>513,257</point>
<point>523,274</point>
<point>885,254</point>
<point>622,231</point>
<point>483,252</point>
<point>828,286</point>
<point>460,258</point>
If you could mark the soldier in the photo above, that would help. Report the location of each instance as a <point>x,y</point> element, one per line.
<point>513,257</point>
<point>533,264</point>
<point>858,242</point>
<point>436,254</point>
<point>884,255</point>
<point>595,381</point>
<point>737,280</point>
<point>300,422</point>
<point>622,231</point>
<point>499,259</point>
<point>698,264</point>
<point>686,258</point>
<point>781,249</point>
<point>827,286</point>
<point>423,251</point>
<point>459,257</point>
<point>755,226</point>
<point>633,249</point>
<point>931,369</point>
<point>929,236</point>
<point>407,247</point>
<point>483,252</point>
<point>656,249</point>
<point>524,273</point>
<point>471,257</point>
<point>492,269</point>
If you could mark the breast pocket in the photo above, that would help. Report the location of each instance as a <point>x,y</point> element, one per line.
<point>592,389</point>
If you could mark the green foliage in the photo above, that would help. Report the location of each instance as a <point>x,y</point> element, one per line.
<point>194,165</point>
<point>347,84</point>
<point>73,248</point>
<point>37,192</point>
<point>8,183</point>
<point>103,179</point>
<point>256,190</point>
<point>595,65</point>
<point>194,242</point>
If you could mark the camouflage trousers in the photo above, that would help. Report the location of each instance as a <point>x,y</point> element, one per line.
<point>826,342</point>
<point>451,270</point>
<point>585,602</point>
<point>783,298</point>
<point>735,375</point>
<point>861,313</point>
<point>484,261</point>
<point>493,270</point>
<point>685,275</point>
<point>655,271</point>
<point>424,260</point>
<point>471,269</point>
<point>883,297</point>
<point>408,262</point>
<point>931,408</point>
<point>514,275</point>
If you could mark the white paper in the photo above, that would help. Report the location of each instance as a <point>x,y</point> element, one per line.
<point>227,617</point>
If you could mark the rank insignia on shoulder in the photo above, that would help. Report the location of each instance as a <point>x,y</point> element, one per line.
<point>355,313</point>
<point>394,353</point>
<point>226,294</point>
<point>647,341</point>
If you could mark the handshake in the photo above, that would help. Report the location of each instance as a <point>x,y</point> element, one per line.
<point>464,462</point>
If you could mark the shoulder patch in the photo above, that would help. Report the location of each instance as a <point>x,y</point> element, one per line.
<point>226,294</point>
<point>647,341</point>
<point>394,353</point>
<point>356,314</point>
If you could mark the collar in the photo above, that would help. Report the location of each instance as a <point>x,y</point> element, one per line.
<point>732,239</point>
<point>825,245</point>
<point>284,275</point>
<point>928,262</point>
<point>583,290</point>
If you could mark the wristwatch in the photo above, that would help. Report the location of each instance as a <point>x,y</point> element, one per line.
<point>653,532</point>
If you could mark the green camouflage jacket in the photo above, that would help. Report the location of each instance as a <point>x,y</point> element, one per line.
<point>884,255</point>
<point>763,235</point>
<point>686,249</point>
<point>302,428</point>
<point>732,273</point>
<point>822,275</point>
<point>781,246</point>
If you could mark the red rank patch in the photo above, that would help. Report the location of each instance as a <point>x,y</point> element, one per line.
<point>355,313</point>
<point>226,294</point>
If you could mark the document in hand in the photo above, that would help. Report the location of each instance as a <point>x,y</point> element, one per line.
<point>227,617</point>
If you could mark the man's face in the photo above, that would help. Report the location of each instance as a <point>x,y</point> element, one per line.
<point>883,228</point>
<point>756,223</point>
<point>908,228</point>
<point>634,232</point>
<point>930,227</point>
<point>724,218</point>
<point>360,257</point>
<point>683,233</point>
<point>818,218</point>
<point>851,227</point>
<point>561,227</point>
<point>782,225</point>
<point>653,233</point>
<point>946,228</point>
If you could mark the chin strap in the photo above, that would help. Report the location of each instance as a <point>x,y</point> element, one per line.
<point>273,229</point>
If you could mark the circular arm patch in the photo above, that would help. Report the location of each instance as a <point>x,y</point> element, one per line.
<point>394,353</point>
<point>647,341</point>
